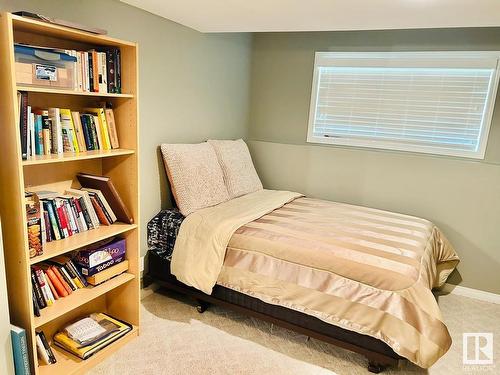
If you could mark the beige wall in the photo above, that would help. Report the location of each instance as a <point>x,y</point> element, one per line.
<point>192,86</point>
<point>461,196</point>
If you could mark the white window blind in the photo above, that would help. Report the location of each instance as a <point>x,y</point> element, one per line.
<point>433,102</point>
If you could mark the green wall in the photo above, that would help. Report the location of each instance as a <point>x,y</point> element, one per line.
<point>461,196</point>
<point>192,86</point>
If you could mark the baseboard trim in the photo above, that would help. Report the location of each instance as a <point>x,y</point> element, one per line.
<point>141,264</point>
<point>471,293</point>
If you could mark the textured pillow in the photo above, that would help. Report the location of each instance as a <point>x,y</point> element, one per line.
<point>239,173</point>
<point>195,176</point>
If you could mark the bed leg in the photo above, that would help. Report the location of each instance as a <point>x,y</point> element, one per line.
<point>375,367</point>
<point>146,280</point>
<point>201,306</point>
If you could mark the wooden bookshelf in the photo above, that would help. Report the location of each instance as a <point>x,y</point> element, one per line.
<point>118,296</point>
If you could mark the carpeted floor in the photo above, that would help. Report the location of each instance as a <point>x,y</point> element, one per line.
<point>177,340</point>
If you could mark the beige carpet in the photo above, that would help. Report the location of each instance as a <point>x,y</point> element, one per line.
<point>175,339</point>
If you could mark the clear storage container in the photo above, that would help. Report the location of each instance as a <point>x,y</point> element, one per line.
<point>44,67</point>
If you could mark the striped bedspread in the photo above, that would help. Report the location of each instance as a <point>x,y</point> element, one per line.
<point>362,269</point>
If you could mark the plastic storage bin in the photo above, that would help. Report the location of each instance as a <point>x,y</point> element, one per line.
<point>44,67</point>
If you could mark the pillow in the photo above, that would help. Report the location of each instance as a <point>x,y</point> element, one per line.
<point>195,176</point>
<point>236,163</point>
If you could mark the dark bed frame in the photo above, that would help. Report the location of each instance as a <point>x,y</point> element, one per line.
<point>378,353</point>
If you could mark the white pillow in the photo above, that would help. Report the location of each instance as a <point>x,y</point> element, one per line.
<point>195,176</point>
<point>237,166</point>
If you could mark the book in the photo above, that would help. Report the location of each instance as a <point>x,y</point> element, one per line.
<point>97,132</point>
<point>38,291</point>
<point>110,330</point>
<point>95,64</point>
<point>36,306</point>
<point>34,222</point>
<point>20,350</point>
<point>43,355</point>
<point>110,121</point>
<point>38,134</point>
<point>104,138</point>
<point>99,210</point>
<point>108,273</point>
<point>46,133</point>
<point>69,128</point>
<point>46,346</point>
<point>102,203</point>
<point>61,290</point>
<point>57,139</point>
<point>61,279</point>
<point>106,187</point>
<point>79,131</point>
<point>22,98</point>
<point>86,206</point>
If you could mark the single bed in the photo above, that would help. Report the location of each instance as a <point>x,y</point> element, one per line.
<point>357,277</point>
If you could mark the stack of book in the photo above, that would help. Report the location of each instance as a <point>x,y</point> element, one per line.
<point>54,216</point>
<point>57,278</point>
<point>90,334</point>
<point>45,353</point>
<point>45,131</point>
<point>97,71</point>
<point>75,211</point>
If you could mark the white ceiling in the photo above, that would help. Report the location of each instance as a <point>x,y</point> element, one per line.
<point>323,15</point>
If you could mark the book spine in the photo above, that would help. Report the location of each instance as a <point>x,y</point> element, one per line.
<point>94,133</point>
<point>55,233</point>
<point>86,213</point>
<point>62,220</point>
<point>44,288</point>
<point>47,223</point>
<point>36,306</point>
<point>95,64</point>
<point>68,210</point>
<point>47,134</point>
<point>51,285</point>
<point>113,135</point>
<point>82,279</point>
<point>61,290</point>
<point>79,211</point>
<point>48,287</point>
<point>61,279</point>
<point>111,71</point>
<point>38,291</point>
<point>91,72</point>
<point>38,135</point>
<point>118,71</point>
<point>103,218</point>
<point>23,124</point>
<point>20,349</point>
<point>67,278</point>
<point>47,347</point>
<point>42,353</point>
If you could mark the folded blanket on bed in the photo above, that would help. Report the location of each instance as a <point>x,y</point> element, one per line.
<point>366,270</point>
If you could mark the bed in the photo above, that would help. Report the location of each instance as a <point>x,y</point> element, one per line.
<point>357,277</point>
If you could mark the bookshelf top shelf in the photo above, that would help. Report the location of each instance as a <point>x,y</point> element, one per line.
<point>48,90</point>
<point>72,156</point>
<point>31,25</point>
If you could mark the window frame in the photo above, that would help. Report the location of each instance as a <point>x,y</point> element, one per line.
<point>323,58</point>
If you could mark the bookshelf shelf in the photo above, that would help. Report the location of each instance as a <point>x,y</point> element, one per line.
<point>55,248</point>
<point>78,298</point>
<point>71,156</point>
<point>119,296</point>
<point>68,364</point>
<point>47,90</point>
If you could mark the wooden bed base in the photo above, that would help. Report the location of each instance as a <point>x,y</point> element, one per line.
<point>377,362</point>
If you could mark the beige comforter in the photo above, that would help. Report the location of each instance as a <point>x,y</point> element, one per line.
<point>362,269</point>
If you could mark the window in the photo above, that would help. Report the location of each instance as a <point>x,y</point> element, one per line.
<point>432,102</point>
